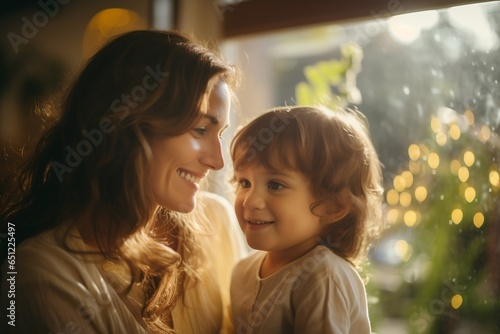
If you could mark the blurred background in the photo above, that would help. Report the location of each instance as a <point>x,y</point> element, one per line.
<point>425,73</point>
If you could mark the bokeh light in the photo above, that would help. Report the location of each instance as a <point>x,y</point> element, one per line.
<point>463,174</point>
<point>469,158</point>
<point>433,160</point>
<point>109,23</point>
<point>456,301</point>
<point>414,152</point>
<point>478,219</point>
<point>420,193</point>
<point>457,216</point>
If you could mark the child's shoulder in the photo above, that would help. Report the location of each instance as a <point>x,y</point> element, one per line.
<point>322,263</point>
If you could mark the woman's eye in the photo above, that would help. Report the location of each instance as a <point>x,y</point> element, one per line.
<point>273,185</point>
<point>201,131</point>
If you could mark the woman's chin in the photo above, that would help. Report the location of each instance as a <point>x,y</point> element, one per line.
<point>186,207</point>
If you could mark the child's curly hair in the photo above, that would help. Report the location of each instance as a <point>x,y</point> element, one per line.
<point>334,151</point>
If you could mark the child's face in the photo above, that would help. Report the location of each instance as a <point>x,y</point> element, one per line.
<point>281,202</point>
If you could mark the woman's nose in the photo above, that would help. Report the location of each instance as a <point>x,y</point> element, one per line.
<point>213,156</point>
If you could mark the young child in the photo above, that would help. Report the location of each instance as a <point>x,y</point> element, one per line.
<point>309,198</point>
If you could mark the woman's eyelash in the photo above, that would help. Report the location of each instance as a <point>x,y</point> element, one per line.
<point>201,131</point>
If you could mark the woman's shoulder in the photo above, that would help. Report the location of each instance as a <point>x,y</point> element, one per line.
<point>44,257</point>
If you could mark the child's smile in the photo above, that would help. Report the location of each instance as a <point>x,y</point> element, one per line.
<point>273,209</point>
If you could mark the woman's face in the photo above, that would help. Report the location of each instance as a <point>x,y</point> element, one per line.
<point>181,162</point>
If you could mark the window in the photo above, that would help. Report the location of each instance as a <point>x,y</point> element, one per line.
<point>428,82</point>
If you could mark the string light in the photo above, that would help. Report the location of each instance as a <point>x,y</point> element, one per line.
<point>469,158</point>
<point>494,178</point>
<point>469,116</point>
<point>405,199</point>
<point>454,132</point>
<point>433,160</point>
<point>484,133</point>
<point>392,216</point>
<point>470,194</point>
<point>463,174</point>
<point>414,152</point>
<point>408,177</point>
<point>392,197</point>
<point>441,138</point>
<point>410,218</point>
<point>478,219</point>
<point>421,194</point>
<point>456,216</point>
<point>456,301</point>
<point>399,183</point>
<point>435,124</point>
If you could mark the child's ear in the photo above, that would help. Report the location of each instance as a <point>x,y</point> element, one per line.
<point>337,209</point>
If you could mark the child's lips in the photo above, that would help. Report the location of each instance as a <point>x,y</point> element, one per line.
<point>257,222</point>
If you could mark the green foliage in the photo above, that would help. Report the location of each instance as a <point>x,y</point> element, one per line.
<point>332,83</point>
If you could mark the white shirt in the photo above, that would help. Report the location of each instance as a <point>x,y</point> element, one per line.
<point>57,291</point>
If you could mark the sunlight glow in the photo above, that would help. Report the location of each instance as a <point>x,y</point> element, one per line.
<point>406,28</point>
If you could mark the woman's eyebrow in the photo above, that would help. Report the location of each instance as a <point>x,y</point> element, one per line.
<point>214,120</point>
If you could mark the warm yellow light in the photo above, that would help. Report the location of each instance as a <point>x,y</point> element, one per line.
<point>469,158</point>
<point>456,301</point>
<point>399,183</point>
<point>484,133</point>
<point>402,249</point>
<point>410,218</point>
<point>408,176</point>
<point>414,167</point>
<point>433,160</point>
<point>420,194</point>
<point>405,199</point>
<point>414,152</point>
<point>470,194</point>
<point>494,178</point>
<point>463,174</point>
<point>435,124</point>
<point>441,138</point>
<point>478,219</point>
<point>392,197</point>
<point>469,115</point>
<point>455,166</point>
<point>454,131</point>
<point>456,216</point>
<point>392,216</point>
<point>108,23</point>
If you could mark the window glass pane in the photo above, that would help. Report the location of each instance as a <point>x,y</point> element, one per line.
<point>428,82</point>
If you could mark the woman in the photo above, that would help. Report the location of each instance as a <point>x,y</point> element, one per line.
<point>109,235</point>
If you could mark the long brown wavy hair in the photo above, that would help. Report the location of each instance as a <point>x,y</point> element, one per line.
<point>92,163</point>
<point>333,150</point>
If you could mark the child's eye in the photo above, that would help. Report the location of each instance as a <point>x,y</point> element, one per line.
<point>244,183</point>
<point>273,185</point>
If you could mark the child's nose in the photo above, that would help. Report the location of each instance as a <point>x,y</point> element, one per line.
<point>253,200</point>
